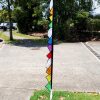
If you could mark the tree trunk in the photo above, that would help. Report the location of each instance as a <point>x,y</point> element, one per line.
<point>9,13</point>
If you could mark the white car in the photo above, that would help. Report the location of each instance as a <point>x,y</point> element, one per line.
<point>3,25</point>
<point>7,25</point>
<point>14,25</point>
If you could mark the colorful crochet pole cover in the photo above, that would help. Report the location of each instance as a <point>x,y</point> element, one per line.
<point>50,48</point>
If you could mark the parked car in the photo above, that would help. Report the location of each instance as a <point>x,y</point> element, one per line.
<point>3,25</point>
<point>14,26</point>
<point>7,25</point>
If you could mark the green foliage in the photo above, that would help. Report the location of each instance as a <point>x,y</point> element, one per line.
<point>26,13</point>
<point>82,15</point>
<point>72,17</point>
<point>30,13</point>
<point>81,20</point>
<point>97,16</point>
<point>42,25</point>
<point>93,24</point>
<point>22,20</point>
<point>3,15</point>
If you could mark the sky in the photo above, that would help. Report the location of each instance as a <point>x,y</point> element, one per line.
<point>97,10</point>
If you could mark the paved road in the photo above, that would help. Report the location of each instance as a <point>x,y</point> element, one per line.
<point>22,70</point>
<point>76,68</point>
<point>95,46</point>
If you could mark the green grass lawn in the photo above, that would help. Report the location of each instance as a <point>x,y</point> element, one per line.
<point>31,39</point>
<point>24,35</point>
<point>44,95</point>
<point>4,37</point>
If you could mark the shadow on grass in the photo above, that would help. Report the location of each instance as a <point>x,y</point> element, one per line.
<point>29,42</point>
<point>34,42</point>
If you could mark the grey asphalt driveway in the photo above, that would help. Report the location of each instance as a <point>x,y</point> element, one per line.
<point>22,70</point>
<point>76,68</point>
<point>95,46</point>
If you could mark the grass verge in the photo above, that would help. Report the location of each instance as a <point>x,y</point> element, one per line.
<point>27,39</point>
<point>58,95</point>
<point>4,37</point>
<point>24,35</point>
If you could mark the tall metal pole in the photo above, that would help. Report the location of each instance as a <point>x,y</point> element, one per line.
<point>10,21</point>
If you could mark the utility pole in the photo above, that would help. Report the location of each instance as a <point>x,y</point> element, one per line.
<point>10,21</point>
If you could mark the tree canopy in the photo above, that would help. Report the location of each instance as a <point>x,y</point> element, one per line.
<point>71,16</point>
<point>27,13</point>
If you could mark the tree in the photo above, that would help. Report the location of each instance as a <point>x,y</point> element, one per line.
<point>10,20</point>
<point>30,13</point>
<point>26,13</point>
<point>3,15</point>
<point>70,12</point>
<point>6,4</point>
